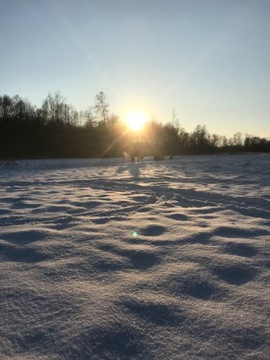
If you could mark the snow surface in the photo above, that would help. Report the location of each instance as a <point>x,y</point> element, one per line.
<point>104,259</point>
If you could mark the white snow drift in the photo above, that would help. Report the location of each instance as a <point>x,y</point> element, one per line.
<point>104,259</point>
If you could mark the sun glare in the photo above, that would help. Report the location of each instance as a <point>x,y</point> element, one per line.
<point>135,120</point>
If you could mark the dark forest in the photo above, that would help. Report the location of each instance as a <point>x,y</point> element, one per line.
<point>58,130</point>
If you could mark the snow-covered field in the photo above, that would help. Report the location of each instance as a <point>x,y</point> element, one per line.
<point>104,259</point>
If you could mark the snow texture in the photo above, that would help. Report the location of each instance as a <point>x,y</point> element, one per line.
<point>104,259</point>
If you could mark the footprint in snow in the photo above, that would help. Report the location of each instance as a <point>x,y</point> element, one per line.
<point>153,230</point>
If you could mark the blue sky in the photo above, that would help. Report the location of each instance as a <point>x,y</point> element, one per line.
<point>209,60</point>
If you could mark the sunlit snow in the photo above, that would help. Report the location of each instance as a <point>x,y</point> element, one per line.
<point>107,259</point>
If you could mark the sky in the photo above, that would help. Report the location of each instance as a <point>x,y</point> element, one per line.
<point>207,61</point>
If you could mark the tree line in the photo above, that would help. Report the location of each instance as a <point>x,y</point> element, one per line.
<point>58,130</point>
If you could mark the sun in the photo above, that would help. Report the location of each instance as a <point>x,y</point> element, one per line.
<point>136,120</point>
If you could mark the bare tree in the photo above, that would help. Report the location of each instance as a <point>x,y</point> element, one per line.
<point>101,108</point>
